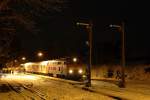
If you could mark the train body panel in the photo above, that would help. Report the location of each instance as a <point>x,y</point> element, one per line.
<point>52,67</point>
<point>56,68</point>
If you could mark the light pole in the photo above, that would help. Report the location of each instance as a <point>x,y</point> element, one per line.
<point>122,83</point>
<point>88,68</point>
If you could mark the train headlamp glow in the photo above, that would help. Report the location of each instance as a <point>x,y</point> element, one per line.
<point>80,71</point>
<point>70,71</point>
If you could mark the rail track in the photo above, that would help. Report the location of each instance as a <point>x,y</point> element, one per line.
<point>26,91</point>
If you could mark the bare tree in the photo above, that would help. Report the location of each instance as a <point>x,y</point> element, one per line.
<point>18,15</point>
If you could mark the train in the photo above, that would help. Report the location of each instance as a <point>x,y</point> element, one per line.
<point>55,68</point>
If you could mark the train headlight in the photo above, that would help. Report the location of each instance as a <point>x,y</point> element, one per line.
<point>80,71</point>
<point>70,71</point>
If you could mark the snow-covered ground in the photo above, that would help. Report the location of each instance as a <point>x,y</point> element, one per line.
<point>134,90</point>
<point>37,87</point>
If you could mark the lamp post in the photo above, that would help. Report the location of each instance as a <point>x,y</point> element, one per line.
<point>122,82</point>
<point>88,68</point>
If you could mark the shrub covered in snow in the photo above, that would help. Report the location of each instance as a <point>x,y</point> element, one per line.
<point>132,72</point>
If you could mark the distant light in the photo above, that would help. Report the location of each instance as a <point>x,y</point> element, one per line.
<point>23,58</point>
<point>115,26</point>
<point>111,25</point>
<point>84,76</point>
<point>87,43</point>
<point>74,59</point>
<point>80,71</point>
<point>22,64</point>
<point>40,54</point>
<point>70,71</point>
<point>84,24</point>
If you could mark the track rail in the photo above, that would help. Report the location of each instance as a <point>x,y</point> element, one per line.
<point>20,88</point>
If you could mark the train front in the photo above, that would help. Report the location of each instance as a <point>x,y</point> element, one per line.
<point>76,72</point>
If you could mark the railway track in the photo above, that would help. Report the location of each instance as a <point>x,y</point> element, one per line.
<point>26,91</point>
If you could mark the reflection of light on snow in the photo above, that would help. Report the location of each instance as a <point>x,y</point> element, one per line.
<point>20,77</point>
<point>29,77</point>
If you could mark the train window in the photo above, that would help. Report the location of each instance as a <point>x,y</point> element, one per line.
<point>54,68</point>
<point>59,68</point>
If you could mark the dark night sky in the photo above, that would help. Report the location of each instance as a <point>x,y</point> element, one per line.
<point>60,36</point>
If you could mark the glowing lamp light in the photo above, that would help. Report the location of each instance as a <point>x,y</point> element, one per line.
<point>15,60</point>
<point>40,54</point>
<point>74,59</point>
<point>70,71</point>
<point>23,58</point>
<point>80,71</point>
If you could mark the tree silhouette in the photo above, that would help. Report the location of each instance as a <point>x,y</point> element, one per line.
<point>17,16</point>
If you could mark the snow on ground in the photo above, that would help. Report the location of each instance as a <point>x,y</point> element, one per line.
<point>38,87</point>
<point>35,87</point>
<point>132,91</point>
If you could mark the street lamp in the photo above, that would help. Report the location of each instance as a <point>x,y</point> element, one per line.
<point>88,68</point>
<point>23,58</point>
<point>74,59</point>
<point>40,54</point>
<point>121,27</point>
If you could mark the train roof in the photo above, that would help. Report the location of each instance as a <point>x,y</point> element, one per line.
<point>43,62</point>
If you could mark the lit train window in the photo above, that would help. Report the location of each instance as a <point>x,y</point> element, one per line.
<point>54,68</point>
<point>48,68</point>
